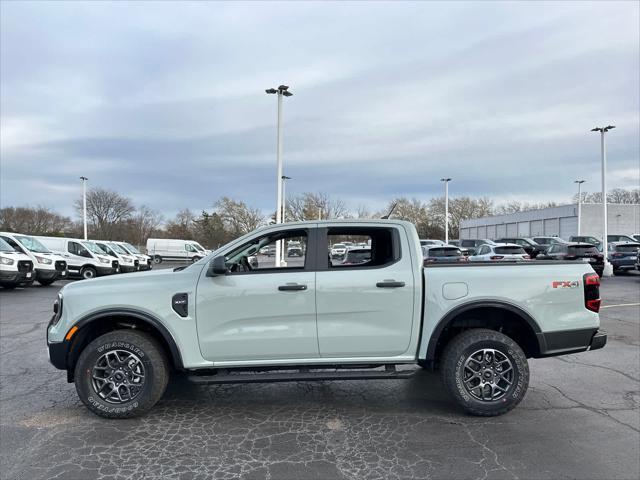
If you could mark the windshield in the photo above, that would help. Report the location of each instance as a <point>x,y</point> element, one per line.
<point>92,247</point>
<point>508,250</point>
<point>103,248</point>
<point>128,248</point>
<point>197,246</point>
<point>339,245</point>
<point>118,248</point>
<point>5,247</point>
<point>32,244</point>
<point>444,252</point>
<point>358,256</point>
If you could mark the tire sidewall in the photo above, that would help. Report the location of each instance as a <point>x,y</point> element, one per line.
<point>94,274</point>
<point>154,370</point>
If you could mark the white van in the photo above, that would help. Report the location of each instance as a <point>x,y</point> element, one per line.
<point>145,260</point>
<point>170,249</point>
<point>127,262</point>
<point>15,268</point>
<point>48,266</point>
<point>83,257</point>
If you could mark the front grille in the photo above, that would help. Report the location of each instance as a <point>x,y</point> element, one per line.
<point>25,265</point>
<point>61,265</point>
<point>114,264</point>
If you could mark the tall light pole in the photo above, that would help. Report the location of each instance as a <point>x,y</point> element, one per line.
<point>84,204</point>
<point>284,196</point>
<point>608,269</point>
<point>281,91</point>
<point>579,182</point>
<point>446,209</point>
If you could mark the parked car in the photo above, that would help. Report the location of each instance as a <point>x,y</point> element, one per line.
<point>442,254</point>
<point>357,256</point>
<point>430,241</point>
<point>586,239</point>
<point>638,261</point>
<point>548,241</point>
<point>48,266</point>
<point>478,323</point>
<point>294,249</point>
<point>620,238</point>
<point>468,246</point>
<point>161,249</point>
<point>144,261</point>
<point>530,246</point>
<point>636,237</point>
<point>622,256</point>
<point>338,251</point>
<point>127,262</point>
<point>499,252</point>
<point>583,252</point>
<point>15,267</point>
<point>83,258</point>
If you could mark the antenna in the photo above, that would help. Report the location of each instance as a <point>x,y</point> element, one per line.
<point>393,207</point>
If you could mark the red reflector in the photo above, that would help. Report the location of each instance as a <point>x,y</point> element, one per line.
<point>617,255</point>
<point>593,305</point>
<point>592,279</point>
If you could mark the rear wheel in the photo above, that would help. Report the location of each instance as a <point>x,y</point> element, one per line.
<point>121,374</point>
<point>486,372</point>
<point>88,272</point>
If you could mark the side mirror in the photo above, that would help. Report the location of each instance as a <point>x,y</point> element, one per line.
<point>217,267</point>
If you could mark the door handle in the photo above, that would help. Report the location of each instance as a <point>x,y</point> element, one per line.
<point>389,284</point>
<point>292,287</point>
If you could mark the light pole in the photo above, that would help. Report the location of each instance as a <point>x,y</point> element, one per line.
<point>284,196</point>
<point>579,182</point>
<point>282,90</point>
<point>608,269</point>
<point>84,204</point>
<point>446,209</point>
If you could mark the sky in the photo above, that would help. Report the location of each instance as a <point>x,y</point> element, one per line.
<point>165,103</point>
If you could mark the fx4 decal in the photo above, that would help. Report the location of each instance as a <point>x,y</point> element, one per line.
<point>566,284</point>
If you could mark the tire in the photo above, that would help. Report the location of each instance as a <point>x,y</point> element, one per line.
<point>88,273</point>
<point>147,357</point>
<point>157,259</point>
<point>195,259</point>
<point>46,283</point>
<point>461,357</point>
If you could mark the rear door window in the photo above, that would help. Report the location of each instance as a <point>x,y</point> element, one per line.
<point>628,248</point>
<point>582,250</point>
<point>508,250</point>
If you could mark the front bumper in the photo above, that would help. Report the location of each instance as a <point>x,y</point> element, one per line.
<point>15,277</point>
<point>106,270</point>
<point>46,275</point>
<point>128,268</point>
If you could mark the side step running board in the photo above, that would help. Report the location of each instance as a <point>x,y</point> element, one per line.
<point>300,375</point>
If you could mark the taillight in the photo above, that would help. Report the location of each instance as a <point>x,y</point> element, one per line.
<point>591,291</point>
<point>618,255</point>
<point>496,257</point>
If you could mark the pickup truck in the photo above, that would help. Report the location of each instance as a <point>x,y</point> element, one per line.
<point>225,319</point>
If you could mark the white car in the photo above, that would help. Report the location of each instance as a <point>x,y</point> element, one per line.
<point>500,252</point>
<point>128,263</point>
<point>15,268</point>
<point>144,261</point>
<point>48,266</point>
<point>338,250</point>
<point>83,257</point>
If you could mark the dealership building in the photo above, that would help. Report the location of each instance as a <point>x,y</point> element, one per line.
<point>561,221</point>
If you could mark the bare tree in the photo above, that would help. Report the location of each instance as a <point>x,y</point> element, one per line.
<point>460,208</point>
<point>34,221</point>
<point>237,217</point>
<point>181,225</point>
<point>142,224</point>
<point>106,210</point>
<point>314,206</point>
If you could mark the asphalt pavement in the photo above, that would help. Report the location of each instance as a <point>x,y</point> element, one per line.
<point>580,418</point>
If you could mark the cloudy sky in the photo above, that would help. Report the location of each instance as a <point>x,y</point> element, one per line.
<point>165,103</point>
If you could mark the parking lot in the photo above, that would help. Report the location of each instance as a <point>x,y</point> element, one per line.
<point>580,418</point>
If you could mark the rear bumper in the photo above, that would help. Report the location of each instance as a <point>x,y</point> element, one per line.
<point>570,341</point>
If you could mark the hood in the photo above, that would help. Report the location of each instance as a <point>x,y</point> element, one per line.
<point>119,281</point>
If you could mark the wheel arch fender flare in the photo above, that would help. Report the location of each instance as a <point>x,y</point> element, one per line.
<point>451,315</point>
<point>148,319</point>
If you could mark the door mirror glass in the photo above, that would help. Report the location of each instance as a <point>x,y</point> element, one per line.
<point>218,266</point>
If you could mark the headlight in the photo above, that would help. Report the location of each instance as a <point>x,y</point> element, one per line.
<point>44,260</point>
<point>104,260</point>
<point>6,261</point>
<point>127,259</point>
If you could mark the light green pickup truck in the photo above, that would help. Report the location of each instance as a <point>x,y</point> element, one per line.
<point>241,316</point>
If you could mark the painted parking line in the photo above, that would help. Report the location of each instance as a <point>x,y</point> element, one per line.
<point>621,305</point>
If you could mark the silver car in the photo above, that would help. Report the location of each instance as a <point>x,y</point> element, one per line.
<point>499,252</point>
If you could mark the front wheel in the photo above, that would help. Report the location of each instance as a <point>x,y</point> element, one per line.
<point>157,259</point>
<point>486,372</point>
<point>88,272</point>
<point>121,374</point>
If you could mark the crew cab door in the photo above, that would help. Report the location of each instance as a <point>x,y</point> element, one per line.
<point>365,309</point>
<point>257,310</point>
